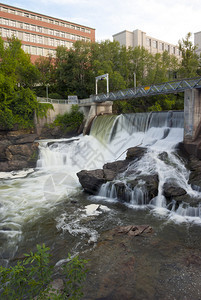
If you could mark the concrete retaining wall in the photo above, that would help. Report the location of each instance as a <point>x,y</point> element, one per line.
<point>51,115</point>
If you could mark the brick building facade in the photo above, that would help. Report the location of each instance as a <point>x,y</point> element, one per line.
<point>40,34</point>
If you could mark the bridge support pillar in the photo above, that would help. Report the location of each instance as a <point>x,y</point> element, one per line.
<point>95,110</point>
<point>192,114</point>
<point>192,122</point>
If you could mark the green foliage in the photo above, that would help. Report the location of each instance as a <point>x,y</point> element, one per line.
<point>54,96</point>
<point>17,77</point>
<point>6,118</point>
<point>32,276</point>
<point>190,60</point>
<point>76,271</point>
<point>70,121</point>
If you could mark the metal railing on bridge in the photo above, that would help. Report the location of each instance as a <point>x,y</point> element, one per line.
<point>49,100</point>
<point>149,90</point>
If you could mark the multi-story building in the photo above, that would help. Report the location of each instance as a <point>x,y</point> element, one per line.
<point>140,38</point>
<point>197,42</point>
<point>40,34</point>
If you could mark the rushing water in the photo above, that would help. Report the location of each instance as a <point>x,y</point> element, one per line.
<point>48,205</point>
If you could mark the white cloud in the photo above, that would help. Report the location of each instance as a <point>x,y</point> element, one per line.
<point>168,20</point>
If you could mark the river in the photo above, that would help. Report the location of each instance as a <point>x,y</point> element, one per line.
<point>47,204</point>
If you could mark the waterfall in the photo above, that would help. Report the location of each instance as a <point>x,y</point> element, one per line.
<point>26,196</point>
<point>101,127</point>
<point>159,132</point>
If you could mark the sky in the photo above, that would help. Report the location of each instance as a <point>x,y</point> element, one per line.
<point>167,20</point>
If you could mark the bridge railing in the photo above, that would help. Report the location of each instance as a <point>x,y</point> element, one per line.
<point>85,101</point>
<point>150,90</point>
<point>49,100</point>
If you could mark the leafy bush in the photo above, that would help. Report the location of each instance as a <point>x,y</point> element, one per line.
<point>55,96</point>
<point>31,277</point>
<point>6,119</point>
<point>70,121</point>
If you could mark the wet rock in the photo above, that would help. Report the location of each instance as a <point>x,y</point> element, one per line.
<point>109,175</point>
<point>163,156</point>
<point>56,133</point>
<point>122,191</point>
<point>117,166</point>
<point>172,190</point>
<point>135,153</point>
<point>18,150</point>
<point>91,181</point>
<point>187,201</point>
<point>26,138</point>
<point>135,230</point>
<point>149,182</point>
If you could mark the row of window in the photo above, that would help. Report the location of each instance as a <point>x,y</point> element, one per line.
<point>162,46</point>
<point>38,50</point>
<point>43,19</point>
<point>33,50</point>
<point>37,39</point>
<point>44,30</point>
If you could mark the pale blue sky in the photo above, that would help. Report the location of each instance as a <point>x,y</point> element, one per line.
<point>168,20</point>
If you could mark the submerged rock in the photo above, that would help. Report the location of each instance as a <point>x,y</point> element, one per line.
<point>135,230</point>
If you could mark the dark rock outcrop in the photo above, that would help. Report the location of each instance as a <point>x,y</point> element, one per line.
<point>18,150</point>
<point>172,190</point>
<point>91,181</point>
<point>56,132</point>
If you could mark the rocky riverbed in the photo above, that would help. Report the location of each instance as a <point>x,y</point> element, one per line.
<point>133,262</point>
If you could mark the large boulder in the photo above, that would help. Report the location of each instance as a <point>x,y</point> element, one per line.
<point>135,153</point>
<point>171,190</point>
<point>91,181</point>
<point>117,167</point>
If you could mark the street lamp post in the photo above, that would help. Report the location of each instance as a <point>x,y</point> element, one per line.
<point>134,74</point>
<point>47,91</point>
<point>102,77</point>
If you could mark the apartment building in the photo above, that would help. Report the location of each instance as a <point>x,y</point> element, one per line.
<point>197,42</point>
<point>140,38</point>
<point>40,35</point>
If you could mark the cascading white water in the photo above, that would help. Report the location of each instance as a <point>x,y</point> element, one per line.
<point>159,133</point>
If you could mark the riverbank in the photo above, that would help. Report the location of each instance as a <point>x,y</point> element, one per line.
<point>143,266</point>
<point>19,148</point>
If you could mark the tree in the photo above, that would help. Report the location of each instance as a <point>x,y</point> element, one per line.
<point>46,68</point>
<point>17,77</point>
<point>190,60</point>
<point>73,69</point>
